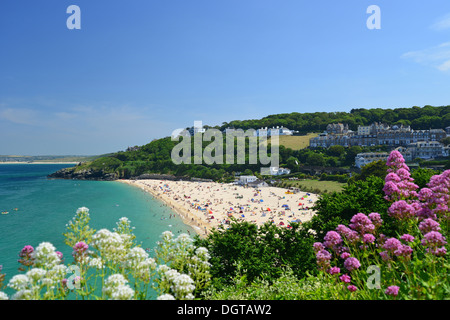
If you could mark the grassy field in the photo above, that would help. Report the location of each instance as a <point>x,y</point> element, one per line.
<point>310,185</point>
<point>296,142</point>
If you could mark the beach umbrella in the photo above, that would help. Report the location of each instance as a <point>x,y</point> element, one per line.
<point>268,209</point>
<point>242,216</point>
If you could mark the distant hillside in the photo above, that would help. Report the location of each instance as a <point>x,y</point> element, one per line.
<point>155,157</point>
<point>418,118</point>
<point>50,158</point>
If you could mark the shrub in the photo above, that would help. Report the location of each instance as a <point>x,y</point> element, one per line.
<point>413,264</point>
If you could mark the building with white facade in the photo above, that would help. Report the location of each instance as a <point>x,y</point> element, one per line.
<point>276,171</point>
<point>246,179</point>
<point>362,159</point>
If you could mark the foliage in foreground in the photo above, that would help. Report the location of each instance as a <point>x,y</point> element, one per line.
<point>109,265</point>
<point>399,253</point>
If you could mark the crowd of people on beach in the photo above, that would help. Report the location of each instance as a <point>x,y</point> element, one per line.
<point>207,205</point>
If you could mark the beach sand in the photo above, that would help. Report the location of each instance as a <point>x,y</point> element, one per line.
<point>207,205</point>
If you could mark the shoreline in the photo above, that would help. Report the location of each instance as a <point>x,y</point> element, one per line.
<point>36,162</point>
<point>194,224</point>
<point>207,205</point>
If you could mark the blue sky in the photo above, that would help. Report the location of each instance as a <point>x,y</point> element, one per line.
<point>137,70</point>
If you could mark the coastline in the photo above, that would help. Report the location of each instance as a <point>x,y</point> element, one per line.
<point>208,205</point>
<point>36,162</point>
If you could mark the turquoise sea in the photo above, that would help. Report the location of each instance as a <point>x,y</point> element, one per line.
<point>39,209</point>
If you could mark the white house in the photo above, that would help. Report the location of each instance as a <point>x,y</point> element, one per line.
<point>362,159</point>
<point>276,171</point>
<point>247,179</point>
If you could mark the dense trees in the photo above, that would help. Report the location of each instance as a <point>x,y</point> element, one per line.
<point>419,119</point>
<point>155,157</point>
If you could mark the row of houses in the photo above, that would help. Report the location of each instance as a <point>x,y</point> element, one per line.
<point>421,149</point>
<point>375,134</point>
<point>261,132</point>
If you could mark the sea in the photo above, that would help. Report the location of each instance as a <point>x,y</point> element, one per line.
<point>40,208</point>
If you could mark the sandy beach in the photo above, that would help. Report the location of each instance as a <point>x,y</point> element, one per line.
<point>207,205</point>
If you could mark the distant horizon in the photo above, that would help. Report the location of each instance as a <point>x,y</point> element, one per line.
<point>191,125</point>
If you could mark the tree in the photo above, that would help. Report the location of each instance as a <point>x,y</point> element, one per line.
<point>363,196</point>
<point>315,159</point>
<point>260,251</point>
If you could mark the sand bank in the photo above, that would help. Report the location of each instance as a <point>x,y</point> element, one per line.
<point>207,205</point>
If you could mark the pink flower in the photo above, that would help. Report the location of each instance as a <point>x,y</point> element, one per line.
<point>404,251</point>
<point>352,288</point>
<point>334,270</point>
<point>349,234</point>
<point>351,263</point>
<point>27,250</point>
<point>323,258</point>
<point>362,224</point>
<point>332,240</point>
<point>428,225</point>
<point>392,290</point>
<point>345,255</point>
<point>318,246</point>
<point>407,238</point>
<point>368,238</point>
<point>401,210</point>
<point>435,241</point>
<point>375,217</point>
<point>392,244</point>
<point>345,278</point>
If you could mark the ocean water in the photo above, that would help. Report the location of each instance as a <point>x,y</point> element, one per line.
<point>39,209</point>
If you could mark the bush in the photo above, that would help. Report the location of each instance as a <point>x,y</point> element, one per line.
<point>364,263</point>
<point>109,265</point>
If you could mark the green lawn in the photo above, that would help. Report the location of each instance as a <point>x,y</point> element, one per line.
<point>311,185</point>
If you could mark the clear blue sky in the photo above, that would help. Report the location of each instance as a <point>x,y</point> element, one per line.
<point>139,69</point>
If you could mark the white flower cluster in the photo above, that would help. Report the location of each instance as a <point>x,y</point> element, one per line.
<point>29,285</point>
<point>45,256</point>
<point>111,245</point>
<point>139,263</point>
<point>181,285</point>
<point>3,296</point>
<point>116,288</point>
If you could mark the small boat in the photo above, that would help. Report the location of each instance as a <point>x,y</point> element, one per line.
<point>5,212</point>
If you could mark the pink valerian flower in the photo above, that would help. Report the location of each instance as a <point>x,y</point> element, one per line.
<point>26,257</point>
<point>318,246</point>
<point>437,196</point>
<point>323,259</point>
<point>435,241</point>
<point>375,217</point>
<point>428,225</point>
<point>392,244</point>
<point>332,240</point>
<point>347,233</point>
<point>334,270</point>
<point>345,255</point>
<point>398,181</point>
<point>407,238</point>
<point>80,251</point>
<point>391,191</point>
<point>392,291</point>
<point>345,278</point>
<point>402,210</point>
<point>352,288</point>
<point>395,162</point>
<point>362,224</point>
<point>404,251</point>
<point>352,263</point>
<point>368,238</point>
